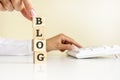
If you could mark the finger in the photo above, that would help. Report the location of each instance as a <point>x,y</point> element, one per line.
<point>65,47</point>
<point>25,14</point>
<point>17,4</point>
<point>2,7</point>
<point>28,4</point>
<point>70,40</point>
<point>7,5</point>
<point>29,7</point>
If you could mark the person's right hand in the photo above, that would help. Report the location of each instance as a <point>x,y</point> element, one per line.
<point>61,42</point>
<point>24,6</point>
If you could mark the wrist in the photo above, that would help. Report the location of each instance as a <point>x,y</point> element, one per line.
<point>47,46</point>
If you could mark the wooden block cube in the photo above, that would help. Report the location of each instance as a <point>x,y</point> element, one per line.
<point>38,42</point>
<point>39,45</point>
<point>39,57</point>
<point>39,33</point>
<point>38,21</point>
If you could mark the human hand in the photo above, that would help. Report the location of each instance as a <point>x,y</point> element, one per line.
<point>60,42</point>
<point>24,6</point>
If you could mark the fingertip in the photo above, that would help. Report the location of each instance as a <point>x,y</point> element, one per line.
<point>32,13</point>
<point>76,46</point>
<point>25,14</point>
<point>79,46</point>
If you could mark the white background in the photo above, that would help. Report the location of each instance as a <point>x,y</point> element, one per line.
<point>59,67</point>
<point>89,22</point>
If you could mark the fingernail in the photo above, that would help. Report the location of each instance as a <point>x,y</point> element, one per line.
<point>32,13</point>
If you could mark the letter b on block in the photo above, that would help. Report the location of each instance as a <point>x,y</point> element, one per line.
<point>37,21</point>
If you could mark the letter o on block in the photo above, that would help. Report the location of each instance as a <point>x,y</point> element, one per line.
<point>39,45</point>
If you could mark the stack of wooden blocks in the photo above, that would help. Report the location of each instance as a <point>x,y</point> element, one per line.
<point>39,41</point>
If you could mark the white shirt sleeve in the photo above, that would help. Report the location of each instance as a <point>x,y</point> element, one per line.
<point>15,47</point>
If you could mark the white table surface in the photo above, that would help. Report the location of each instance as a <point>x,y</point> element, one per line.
<point>59,67</point>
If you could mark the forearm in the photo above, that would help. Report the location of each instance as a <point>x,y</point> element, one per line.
<point>15,47</point>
